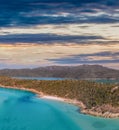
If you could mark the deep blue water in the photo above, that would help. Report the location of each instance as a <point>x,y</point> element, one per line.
<point>22,110</point>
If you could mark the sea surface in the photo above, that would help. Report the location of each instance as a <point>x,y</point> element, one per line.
<point>41,78</point>
<point>58,78</point>
<point>22,110</point>
<point>110,81</point>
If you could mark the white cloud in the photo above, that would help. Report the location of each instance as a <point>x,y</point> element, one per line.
<point>108,31</point>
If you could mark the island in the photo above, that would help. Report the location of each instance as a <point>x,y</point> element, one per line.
<point>94,98</point>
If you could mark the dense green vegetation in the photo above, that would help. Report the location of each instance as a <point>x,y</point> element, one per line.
<point>90,93</point>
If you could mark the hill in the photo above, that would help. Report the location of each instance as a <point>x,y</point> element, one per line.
<point>82,72</point>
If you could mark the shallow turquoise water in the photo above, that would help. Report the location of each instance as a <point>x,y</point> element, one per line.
<point>54,78</point>
<point>41,78</point>
<point>21,110</point>
<point>107,81</point>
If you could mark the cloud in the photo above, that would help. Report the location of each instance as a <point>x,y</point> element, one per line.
<point>27,55</point>
<point>107,2</point>
<point>109,32</point>
<point>81,61</point>
<point>93,58</point>
<point>45,38</point>
<point>34,12</point>
<point>75,32</point>
<point>103,54</point>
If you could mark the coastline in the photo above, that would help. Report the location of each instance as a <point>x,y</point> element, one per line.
<point>80,104</point>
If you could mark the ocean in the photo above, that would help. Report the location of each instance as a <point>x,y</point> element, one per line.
<point>23,110</point>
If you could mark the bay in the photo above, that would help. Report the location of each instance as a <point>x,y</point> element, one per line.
<point>22,110</point>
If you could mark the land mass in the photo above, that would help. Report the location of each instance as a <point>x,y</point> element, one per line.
<point>77,72</point>
<point>99,99</point>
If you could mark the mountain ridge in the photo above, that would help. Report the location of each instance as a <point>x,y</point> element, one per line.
<point>78,72</point>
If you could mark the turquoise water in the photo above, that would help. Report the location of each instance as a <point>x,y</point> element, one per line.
<point>53,78</point>
<point>41,78</point>
<point>107,81</point>
<point>21,110</point>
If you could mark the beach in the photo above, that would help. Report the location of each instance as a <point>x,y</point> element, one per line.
<point>80,104</point>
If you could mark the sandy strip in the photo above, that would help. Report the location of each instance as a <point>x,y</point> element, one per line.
<point>53,98</point>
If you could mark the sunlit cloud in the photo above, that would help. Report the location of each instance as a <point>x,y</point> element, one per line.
<point>108,31</point>
<point>38,55</point>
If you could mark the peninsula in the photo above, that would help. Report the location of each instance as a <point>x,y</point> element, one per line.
<point>99,99</point>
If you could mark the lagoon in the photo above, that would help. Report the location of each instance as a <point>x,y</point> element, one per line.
<point>41,78</point>
<point>113,81</point>
<point>23,110</point>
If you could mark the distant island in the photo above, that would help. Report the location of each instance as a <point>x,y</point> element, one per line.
<point>99,99</point>
<point>74,72</point>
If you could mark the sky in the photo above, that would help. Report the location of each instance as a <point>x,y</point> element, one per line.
<point>36,33</point>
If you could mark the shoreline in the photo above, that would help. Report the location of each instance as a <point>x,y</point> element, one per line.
<point>80,104</point>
